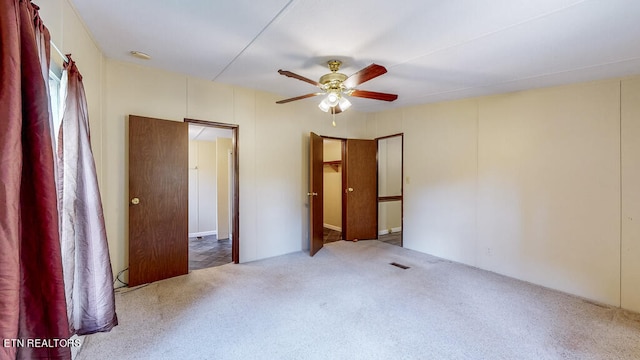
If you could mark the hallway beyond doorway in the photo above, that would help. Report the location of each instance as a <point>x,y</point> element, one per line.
<point>208,251</point>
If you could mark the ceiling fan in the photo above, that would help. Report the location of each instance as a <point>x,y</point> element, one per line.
<point>337,86</point>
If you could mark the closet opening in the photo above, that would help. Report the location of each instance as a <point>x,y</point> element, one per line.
<point>389,160</point>
<point>333,152</point>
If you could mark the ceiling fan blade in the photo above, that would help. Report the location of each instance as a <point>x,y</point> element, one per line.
<point>374,95</point>
<point>366,74</point>
<point>298,98</point>
<point>299,77</point>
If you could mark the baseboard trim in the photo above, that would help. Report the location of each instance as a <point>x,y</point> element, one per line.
<point>203,233</point>
<point>393,230</point>
<point>332,227</point>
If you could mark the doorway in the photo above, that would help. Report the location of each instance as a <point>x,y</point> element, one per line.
<point>355,186</point>
<point>158,197</point>
<point>213,234</point>
<point>358,189</point>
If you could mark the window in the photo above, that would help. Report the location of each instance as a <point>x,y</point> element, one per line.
<point>55,74</point>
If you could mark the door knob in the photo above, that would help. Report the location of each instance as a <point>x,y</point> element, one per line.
<point>312,194</point>
<point>350,189</point>
<point>135,201</point>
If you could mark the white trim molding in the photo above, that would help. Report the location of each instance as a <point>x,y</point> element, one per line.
<point>203,233</point>
<point>393,230</point>
<point>332,227</point>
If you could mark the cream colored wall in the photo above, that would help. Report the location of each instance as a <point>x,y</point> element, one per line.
<point>389,217</point>
<point>193,187</point>
<point>207,186</point>
<point>390,166</point>
<point>204,195</point>
<point>549,188</point>
<point>440,167</point>
<point>223,147</point>
<point>332,185</point>
<point>630,252</point>
<point>526,184</point>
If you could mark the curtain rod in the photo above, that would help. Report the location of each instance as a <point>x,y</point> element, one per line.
<point>63,56</point>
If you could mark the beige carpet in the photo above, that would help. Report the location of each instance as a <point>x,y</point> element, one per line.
<point>347,302</point>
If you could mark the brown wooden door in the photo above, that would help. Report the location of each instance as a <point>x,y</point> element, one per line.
<point>158,199</point>
<point>316,207</point>
<point>360,190</point>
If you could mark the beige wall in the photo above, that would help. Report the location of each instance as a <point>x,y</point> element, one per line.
<point>223,148</point>
<point>630,250</point>
<point>527,184</point>
<point>440,168</point>
<point>203,187</point>
<point>390,166</point>
<point>549,188</point>
<point>193,187</point>
<point>332,185</point>
<point>207,186</point>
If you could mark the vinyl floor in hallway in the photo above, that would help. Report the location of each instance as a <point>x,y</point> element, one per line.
<point>208,251</point>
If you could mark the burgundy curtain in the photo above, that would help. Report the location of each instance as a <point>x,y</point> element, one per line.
<point>32,303</point>
<point>85,254</point>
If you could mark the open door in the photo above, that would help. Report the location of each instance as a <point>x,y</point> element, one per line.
<point>316,235</point>
<point>360,195</point>
<point>158,199</point>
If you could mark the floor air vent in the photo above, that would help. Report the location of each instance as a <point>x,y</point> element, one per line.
<point>403,267</point>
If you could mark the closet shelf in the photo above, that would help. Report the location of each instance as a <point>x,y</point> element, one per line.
<point>335,165</point>
<point>389,198</point>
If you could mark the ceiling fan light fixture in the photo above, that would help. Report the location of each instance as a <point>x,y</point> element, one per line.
<point>333,99</point>
<point>324,105</point>
<point>344,104</point>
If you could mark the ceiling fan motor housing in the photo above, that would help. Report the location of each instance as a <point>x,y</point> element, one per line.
<point>333,80</point>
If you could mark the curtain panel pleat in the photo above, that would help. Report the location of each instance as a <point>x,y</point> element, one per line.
<point>32,302</point>
<point>85,254</point>
<point>10,172</point>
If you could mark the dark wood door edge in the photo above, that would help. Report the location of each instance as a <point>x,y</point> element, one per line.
<point>211,123</point>
<point>389,136</point>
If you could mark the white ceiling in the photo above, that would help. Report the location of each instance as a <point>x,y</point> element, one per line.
<point>434,50</point>
<point>207,133</point>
